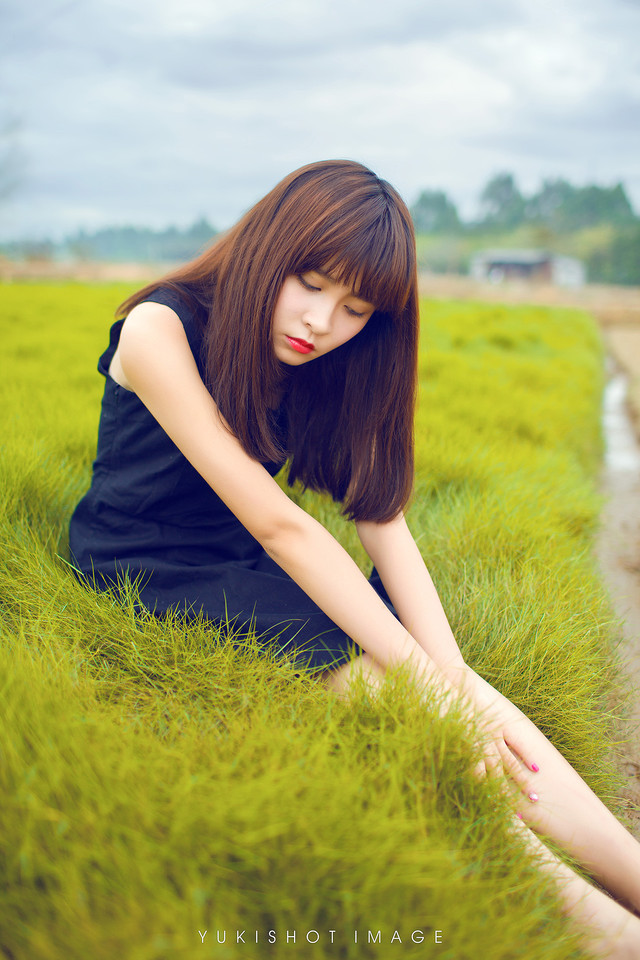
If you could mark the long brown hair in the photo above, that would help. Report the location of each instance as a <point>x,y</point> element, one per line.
<point>351,411</point>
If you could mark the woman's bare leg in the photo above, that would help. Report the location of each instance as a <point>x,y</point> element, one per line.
<point>571,814</point>
<point>340,678</point>
<point>568,811</point>
<point>613,932</point>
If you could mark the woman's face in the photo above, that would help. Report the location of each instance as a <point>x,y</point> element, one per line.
<point>314,315</point>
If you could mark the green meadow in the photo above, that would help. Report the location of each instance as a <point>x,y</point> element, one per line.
<point>163,785</point>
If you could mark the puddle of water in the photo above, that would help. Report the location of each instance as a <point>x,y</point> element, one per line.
<point>618,551</point>
<point>618,546</point>
<point>622,451</point>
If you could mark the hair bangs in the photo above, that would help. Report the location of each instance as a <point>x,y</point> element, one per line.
<point>375,259</point>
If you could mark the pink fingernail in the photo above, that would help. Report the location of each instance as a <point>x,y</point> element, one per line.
<point>519,816</point>
<point>535,767</point>
<point>533,797</point>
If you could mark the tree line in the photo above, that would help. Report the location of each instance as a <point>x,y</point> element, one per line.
<point>596,223</point>
<point>121,244</point>
<point>558,205</point>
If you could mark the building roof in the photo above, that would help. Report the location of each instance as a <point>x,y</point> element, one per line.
<point>521,256</point>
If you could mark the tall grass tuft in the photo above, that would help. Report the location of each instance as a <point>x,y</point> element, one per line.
<point>158,781</point>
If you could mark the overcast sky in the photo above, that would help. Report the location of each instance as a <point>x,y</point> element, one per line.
<point>161,111</point>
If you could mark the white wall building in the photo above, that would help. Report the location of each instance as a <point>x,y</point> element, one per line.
<point>535,266</point>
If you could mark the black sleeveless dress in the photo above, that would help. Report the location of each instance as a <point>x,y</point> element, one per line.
<point>149,513</point>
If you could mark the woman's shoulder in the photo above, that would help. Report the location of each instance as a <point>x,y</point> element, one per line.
<point>182,300</point>
<point>191,312</point>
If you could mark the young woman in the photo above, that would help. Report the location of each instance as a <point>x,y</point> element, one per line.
<point>294,338</point>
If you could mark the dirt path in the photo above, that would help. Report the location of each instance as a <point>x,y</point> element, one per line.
<point>618,553</point>
<point>618,545</point>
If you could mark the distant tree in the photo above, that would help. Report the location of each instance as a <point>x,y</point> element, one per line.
<point>434,212</point>
<point>200,233</point>
<point>502,204</point>
<point>547,204</point>
<point>564,208</point>
<point>141,244</point>
<point>619,260</point>
<point>593,205</point>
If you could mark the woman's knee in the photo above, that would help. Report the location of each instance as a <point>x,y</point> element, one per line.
<point>340,678</point>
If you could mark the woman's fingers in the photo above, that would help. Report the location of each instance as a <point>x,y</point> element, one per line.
<point>521,749</point>
<point>491,764</point>
<point>480,770</point>
<point>525,775</point>
<point>520,775</point>
<point>493,761</point>
<point>512,764</point>
<point>499,760</point>
<point>504,750</point>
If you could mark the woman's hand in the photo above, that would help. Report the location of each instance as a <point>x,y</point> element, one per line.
<point>505,744</point>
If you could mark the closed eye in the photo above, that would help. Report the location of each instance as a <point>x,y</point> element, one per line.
<point>305,284</point>
<point>354,313</point>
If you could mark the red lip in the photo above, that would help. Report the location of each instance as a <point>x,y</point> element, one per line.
<point>302,346</point>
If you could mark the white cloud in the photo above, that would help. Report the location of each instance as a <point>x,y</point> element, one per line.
<point>163,110</point>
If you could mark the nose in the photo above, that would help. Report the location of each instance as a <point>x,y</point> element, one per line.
<point>318,317</point>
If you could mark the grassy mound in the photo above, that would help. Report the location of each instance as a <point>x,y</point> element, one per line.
<point>164,789</point>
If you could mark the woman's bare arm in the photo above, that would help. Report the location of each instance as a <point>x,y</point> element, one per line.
<point>407,581</point>
<point>414,596</point>
<point>158,365</point>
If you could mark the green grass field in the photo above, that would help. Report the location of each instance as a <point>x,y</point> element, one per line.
<point>157,782</point>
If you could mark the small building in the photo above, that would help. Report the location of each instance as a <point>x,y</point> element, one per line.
<point>533,266</point>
